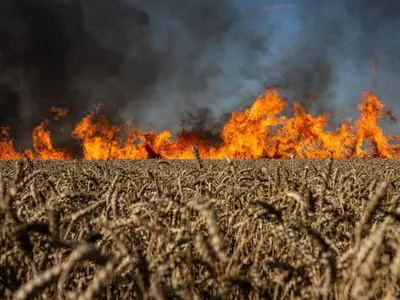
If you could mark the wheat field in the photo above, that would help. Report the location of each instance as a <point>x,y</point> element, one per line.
<point>229,229</point>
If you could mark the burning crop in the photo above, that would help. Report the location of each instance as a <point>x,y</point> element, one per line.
<point>260,131</point>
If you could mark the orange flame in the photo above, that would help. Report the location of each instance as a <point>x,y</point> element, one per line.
<point>103,141</point>
<point>43,146</point>
<point>60,112</point>
<point>6,145</point>
<point>368,128</point>
<point>246,135</point>
<point>304,136</point>
<point>259,131</point>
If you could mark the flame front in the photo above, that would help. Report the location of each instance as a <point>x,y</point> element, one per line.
<point>258,132</point>
<point>43,146</point>
<point>101,140</point>
<point>6,145</point>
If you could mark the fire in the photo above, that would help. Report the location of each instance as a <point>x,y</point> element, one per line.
<point>43,146</point>
<point>101,140</point>
<point>246,135</point>
<point>60,112</point>
<point>305,137</point>
<point>257,132</point>
<point>6,145</point>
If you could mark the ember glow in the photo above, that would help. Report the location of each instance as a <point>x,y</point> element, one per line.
<point>261,131</point>
<point>59,112</point>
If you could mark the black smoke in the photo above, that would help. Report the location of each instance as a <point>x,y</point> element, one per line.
<point>49,57</point>
<point>149,60</point>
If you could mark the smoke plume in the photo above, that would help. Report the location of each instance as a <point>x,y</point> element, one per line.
<point>150,60</point>
<point>338,49</point>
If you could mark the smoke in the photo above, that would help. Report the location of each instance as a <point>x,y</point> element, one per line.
<point>340,48</point>
<point>71,54</point>
<point>210,53</point>
<point>173,63</point>
<point>150,60</point>
<point>377,44</point>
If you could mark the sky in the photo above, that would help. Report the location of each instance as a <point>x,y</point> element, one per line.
<point>164,62</point>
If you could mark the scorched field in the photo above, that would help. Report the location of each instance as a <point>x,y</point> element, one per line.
<point>155,229</point>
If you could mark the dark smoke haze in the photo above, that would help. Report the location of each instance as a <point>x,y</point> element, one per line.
<point>154,60</point>
<point>332,58</point>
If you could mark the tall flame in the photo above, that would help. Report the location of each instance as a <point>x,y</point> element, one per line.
<point>368,128</point>
<point>43,146</point>
<point>257,132</point>
<point>7,150</point>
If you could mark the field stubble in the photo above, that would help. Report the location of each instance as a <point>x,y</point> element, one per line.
<point>153,229</point>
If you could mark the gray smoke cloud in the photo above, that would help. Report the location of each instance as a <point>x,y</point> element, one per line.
<point>378,23</point>
<point>210,55</point>
<point>337,43</point>
<point>174,63</point>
